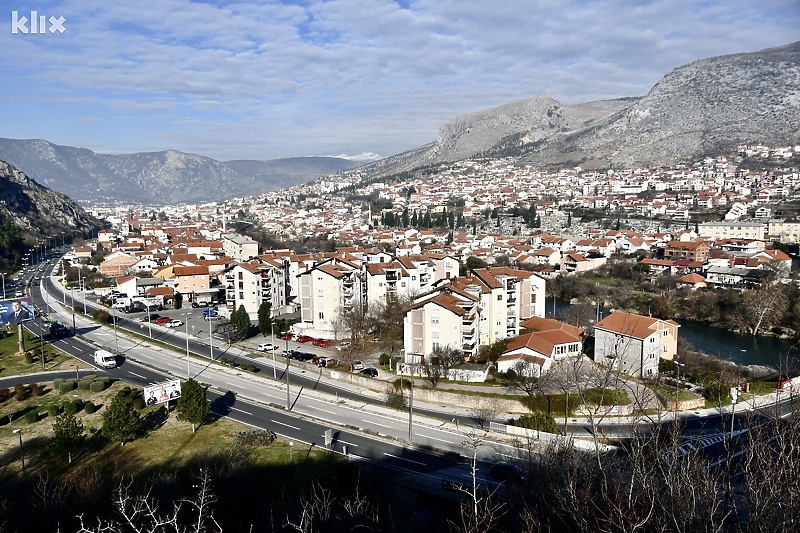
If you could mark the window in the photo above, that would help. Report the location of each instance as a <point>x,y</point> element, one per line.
<point>321,315</point>
<point>434,346</point>
<point>499,297</point>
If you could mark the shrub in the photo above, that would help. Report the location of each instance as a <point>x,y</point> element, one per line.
<point>84,384</point>
<point>89,408</point>
<point>223,360</point>
<point>57,383</point>
<point>53,410</point>
<point>97,386</point>
<point>138,403</point>
<point>255,437</point>
<point>31,417</point>
<point>124,391</point>
<point>4,394</point>
<point>37,389</point>
<point>395,398</point>
<point>28,357</point>
<point>538,421</point>
<point>383,360</point>
<point>70,408</point>
<point>67,386</point>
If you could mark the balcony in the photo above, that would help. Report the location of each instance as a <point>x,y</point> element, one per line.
<point>392,276</point>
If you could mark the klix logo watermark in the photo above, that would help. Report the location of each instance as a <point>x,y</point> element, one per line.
<point>38,23</point>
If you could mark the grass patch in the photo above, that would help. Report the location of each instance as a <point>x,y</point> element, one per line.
<point>13,364</point>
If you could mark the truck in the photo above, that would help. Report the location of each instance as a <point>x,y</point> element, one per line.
<point>105,359</point>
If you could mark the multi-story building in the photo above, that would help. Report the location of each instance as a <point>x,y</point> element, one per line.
<point>239,248</point>
<point>635,343</point>
<point>486,305</point>
<point>737,229</point>
<point>326,291</point>
<point>252,283</point>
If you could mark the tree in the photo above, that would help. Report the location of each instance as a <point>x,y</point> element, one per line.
<point>265,318</point>
<point>68,432</point>
<point>177,300</point>
<point>193,404</point>
<point>538,421</point>
<point>121,421</point>
<point>240,322</point>
<point>523,377</point>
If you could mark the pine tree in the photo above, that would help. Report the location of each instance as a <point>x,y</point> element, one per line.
<point>193,404</point>
<point>121,421</point>
<point>240,321</point>
<point>265,318</point>
<point>67,432</point>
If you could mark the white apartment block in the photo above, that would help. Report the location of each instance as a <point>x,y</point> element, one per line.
<point>737,229</point>
<point>786,231</point>
<point>239,248</point>
<point>324,291</point>
<point>478,309</point>
<point>252,283</point>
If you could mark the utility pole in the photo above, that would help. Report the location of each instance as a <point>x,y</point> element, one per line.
<point>410,410</point>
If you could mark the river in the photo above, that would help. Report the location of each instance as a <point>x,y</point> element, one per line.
<point>740,349</point>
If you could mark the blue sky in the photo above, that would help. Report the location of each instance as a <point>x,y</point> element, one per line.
<point>263,80</point>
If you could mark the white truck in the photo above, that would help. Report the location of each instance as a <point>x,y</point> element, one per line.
<point>105,359</point>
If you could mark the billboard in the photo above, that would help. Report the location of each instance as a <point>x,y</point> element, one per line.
<point>16,311</point>
<point>162,392</point>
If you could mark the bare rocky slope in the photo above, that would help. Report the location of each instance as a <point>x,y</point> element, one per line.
<point>36,210</point>
<point>706,107</point>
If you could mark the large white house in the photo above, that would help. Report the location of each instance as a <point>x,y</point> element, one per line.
<point>635,343</point>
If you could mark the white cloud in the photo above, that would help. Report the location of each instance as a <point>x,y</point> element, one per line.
<point>253,80</point>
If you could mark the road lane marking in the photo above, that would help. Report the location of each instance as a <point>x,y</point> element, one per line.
<point>287,425</point>
<point>403,459</point>
<point>137,375</point>
<point>319,409</point>
<point>241,411</point>
<point>348,443</point>
<point>434,438</point>
<point>375,423</point>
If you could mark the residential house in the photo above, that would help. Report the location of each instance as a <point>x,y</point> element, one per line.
<point>635,343</point>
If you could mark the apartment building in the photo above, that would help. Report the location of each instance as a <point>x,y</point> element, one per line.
<point>239,248</point>
<point>254,282</point>
<point>325,291</point>
<point>635,343</point>
<point>736,229</point>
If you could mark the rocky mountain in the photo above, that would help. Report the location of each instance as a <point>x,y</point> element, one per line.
<point>158,177</point>
<point>707,107</point>
<point>36,210</point>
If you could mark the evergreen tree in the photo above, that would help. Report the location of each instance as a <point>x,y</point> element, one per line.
<point>121,421</point>
<point>450,238</point>
<point>427,222</point>
<point>451,222</point>
<point>67,432</point>
<point>240,321</point>
<point>405,218</point>
<point>460,219</point>
<point>569,220</point>
<point>414,221</point>
<point>193,406</point>
<point>177,300</point>
<point>265,318</point>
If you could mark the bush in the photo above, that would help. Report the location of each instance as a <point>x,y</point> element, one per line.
<point>138,403</point>
<point>57,383</point>
<point>53,411</point>
<point>20,392</point>
<point>67,386</point>
<point>70,408</point>
<point>89,408</point>
<point>223,360</point>
<point>97,386</point>
<point>84,384</point>
<point>383,360</point>
<point>255,437</point>
<point>37,389</point>
<point>31,417</point>
<point>28,357</point>
<point>395,398</point>
<point>4,394</point>
<point>538,421</point>
<point>124,391</point>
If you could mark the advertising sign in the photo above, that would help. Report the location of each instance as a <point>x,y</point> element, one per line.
<point>162,392</point>
<point>16,311</point>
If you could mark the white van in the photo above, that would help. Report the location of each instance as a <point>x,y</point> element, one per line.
<point>105,359</point>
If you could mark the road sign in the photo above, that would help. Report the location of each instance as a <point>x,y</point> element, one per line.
<point>328,437</point>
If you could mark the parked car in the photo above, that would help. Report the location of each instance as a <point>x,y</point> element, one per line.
<point>268,347</point>
<point>358,365</point>
<point>211,317</point>
<point>370,372</point>
<point>304,338</point>
<point>325,343</point>
<point>326,361</point>
<point>210,312</point>
<point>174,323</point>
<point>150,318</point>
<point>161,320</point>
<point>344,346</point>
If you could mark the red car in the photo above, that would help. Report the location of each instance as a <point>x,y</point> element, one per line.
<point>304,338</point>
<point>325,343</point>
<point>286,336</point>
<point>162,320</point>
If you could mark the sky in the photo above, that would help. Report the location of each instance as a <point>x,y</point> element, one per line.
<point>270,79</point>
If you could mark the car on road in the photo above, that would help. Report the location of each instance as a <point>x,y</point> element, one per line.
<point>268,347</point>
<point>161,320</point>
<point>370,372</point>
<point>344,346</point>
<point>174,323</point>
<point>304,338</point>
<point>507,473</point>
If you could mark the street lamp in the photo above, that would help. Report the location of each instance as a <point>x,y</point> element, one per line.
<point>114,318</point>
<point>186,323</point>
<point>21,451</point>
